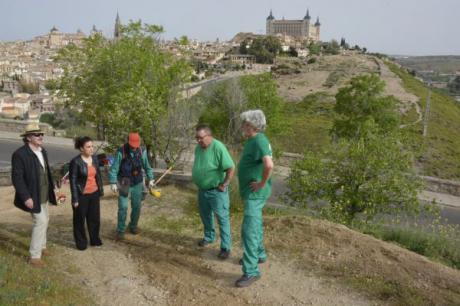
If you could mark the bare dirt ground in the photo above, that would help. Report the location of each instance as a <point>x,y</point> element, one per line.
<point>313,78</point>
<point>308,260</point>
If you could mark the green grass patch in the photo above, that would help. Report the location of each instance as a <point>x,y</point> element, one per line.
<point>21,284</point>
<point>307,124</point>
<point>439,244</point>
<point>440,157</point>
<point>389,291</point>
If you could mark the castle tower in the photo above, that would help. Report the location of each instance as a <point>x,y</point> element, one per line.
<point>306,25</point>
<point>117,30</point>
<point>269,24</point>
<point>317,28</point>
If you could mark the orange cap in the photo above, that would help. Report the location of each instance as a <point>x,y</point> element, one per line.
<point>134,140</point>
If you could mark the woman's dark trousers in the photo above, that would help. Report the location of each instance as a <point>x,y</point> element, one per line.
<point>88,210</point>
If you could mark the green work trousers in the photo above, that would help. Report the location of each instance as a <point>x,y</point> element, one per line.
<point>216,202</point>
<point>252,236</point>
<point>136,202</point>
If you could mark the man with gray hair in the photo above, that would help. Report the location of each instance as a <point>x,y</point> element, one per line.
<point>212,171</point>
<point>254,171</point>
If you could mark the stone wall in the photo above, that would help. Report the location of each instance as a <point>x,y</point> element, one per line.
<point>18,126</point>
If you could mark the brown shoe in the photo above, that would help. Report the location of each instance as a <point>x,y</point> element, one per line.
<point>135,231</point>
<point>36,263</point>
<point>45,252</point>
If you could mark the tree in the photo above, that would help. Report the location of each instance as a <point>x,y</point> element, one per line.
<point>314,48</point>
<point>225,101</point>
<point>124,85</point>
<point>332,47</point>
<point>368,170</point>
<point>361,104</point>
<point>264,49</point>
<point>365,177</point>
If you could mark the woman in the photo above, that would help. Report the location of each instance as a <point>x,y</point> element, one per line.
<point>86,188</point>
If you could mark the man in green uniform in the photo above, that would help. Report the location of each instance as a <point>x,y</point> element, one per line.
<point>212,172</point>
<point>254,171</point>
<point>126,178</point>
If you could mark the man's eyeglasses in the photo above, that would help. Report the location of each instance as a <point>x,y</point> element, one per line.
<point>37,134</point>
<point>201,138</point>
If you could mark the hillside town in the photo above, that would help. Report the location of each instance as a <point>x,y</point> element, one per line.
<point>28,68</point>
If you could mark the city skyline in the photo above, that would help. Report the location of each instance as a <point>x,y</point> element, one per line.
<point>407,27</point>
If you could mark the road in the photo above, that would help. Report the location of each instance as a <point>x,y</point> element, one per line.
<point>64,152</point>
<point>56,153</point>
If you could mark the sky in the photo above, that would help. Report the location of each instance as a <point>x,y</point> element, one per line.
<point>405,27</point>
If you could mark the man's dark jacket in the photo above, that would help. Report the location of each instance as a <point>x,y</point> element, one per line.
<point>25,174</point>
<point>78,173</point>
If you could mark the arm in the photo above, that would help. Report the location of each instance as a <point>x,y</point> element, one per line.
<point>113,173</point>
<point>17,176</point>
<point>228,177</point>
<point>145,163</point>
<point>268,168</point>
<point>73,177</point>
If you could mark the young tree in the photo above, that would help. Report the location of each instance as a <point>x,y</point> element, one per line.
<point>361,102</point>
<point>366,177</point>
<point>224,102</point>
<point>369,170</point>
<point>124,85</point>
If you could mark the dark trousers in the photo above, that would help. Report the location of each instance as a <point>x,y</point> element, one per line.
<point>88,209</point>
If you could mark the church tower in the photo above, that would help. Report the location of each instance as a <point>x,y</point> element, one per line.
<point>117,30</point>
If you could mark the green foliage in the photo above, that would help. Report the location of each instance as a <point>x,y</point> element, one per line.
<point>29,87</point>
<point>125,85</point>
<point>368,171</point>
<point>361,104</point>
<point>306,124</point>
<point>264,48</point>
<point>314,48</point>
<point>225,101</point>
<point>332,48</point>
<point>363,176</point>
<point>439,242</point>
<point>311,60</point>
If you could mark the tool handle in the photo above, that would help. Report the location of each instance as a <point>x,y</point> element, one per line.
<point>163,175</point>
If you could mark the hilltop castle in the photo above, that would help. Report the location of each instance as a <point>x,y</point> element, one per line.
<point>301,29</point>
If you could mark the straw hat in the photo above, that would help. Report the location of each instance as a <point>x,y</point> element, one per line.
<point>31,128</point>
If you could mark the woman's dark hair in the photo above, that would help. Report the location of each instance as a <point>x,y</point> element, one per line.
<point>80,141</point>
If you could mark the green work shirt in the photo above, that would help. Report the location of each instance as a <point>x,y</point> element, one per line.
<point>251,167</point>
<point>211,164</point>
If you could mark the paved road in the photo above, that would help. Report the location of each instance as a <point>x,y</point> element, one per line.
<point>56,152</point>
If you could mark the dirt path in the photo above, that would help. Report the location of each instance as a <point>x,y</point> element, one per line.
<point>157,268</point>
<point>395,88</point>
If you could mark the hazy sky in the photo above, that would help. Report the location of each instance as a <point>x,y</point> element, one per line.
<point>413,27</point>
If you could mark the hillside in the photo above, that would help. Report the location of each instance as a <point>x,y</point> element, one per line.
<point>309,89</point>
<point>311,262</point>
<point>440,64</point>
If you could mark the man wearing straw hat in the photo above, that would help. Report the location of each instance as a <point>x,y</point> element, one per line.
<point>126,178</point>
<point>32,180</point>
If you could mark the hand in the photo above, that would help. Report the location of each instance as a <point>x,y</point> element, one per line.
<point>75,204</point>
<point>114,188</point>
<point>29,203</point>
<point>222,187</point>
<point>152,184</point>
<point>256,186</point>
